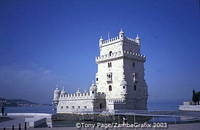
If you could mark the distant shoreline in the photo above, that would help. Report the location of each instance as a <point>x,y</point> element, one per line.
<point>30,105</point>
<point>19,103</point>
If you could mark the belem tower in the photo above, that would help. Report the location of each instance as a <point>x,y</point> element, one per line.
<point>119,84</point>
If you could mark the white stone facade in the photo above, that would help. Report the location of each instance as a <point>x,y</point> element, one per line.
<point>189,106</point>
<point>120,83</point>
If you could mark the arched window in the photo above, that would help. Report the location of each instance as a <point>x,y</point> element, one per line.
<point>109,64</point>
<point>109,77</point>
<point>100,106</point>
<point>110,88</point>
<point>110,53</point>
<point>135,87</point>
<point>133,64</point>
<point>135,77</point>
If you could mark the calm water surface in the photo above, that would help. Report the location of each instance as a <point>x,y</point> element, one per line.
<point>153,106</point>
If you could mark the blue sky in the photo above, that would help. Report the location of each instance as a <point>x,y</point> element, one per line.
<point>43,43</point>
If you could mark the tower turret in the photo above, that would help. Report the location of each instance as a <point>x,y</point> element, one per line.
<point>93,89</point>
<point>121,34</point>
<point>137,39</point>
<point>63,91</point>
<point>100,41</point>
<point>123,86</point>
<point>56,96</point>
<point>78,92</point>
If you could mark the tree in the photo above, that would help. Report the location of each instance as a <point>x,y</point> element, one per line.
<point>195,97</point>
<point>198,97</point>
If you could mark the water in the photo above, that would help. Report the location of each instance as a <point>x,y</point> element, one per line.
<point>152,106</point>
<point>163,106</point>
<point>30,109</point>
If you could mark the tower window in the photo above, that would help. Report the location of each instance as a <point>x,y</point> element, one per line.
<point>85,107</point>
<point>79,107</point>
<point>110,88</point>
<point>110,53</point>
<point>109,77</point>
<point>133,64</point>
<point>61,107</point>
<point>96,79</point>
<point>72,107</point>
<point>67,107</point>
<point>135,77</point>
<point>100,106</point>
<point>109,64</point>
<point>124,87</point>
<point>135,87</point>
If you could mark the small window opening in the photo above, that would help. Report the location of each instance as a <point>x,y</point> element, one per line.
<point>110,88</point>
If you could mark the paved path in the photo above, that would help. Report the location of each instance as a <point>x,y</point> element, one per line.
<point>192,126</point>
<point>16,120</point>
<point>19,118</point>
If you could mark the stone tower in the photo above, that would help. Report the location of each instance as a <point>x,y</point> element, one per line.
<point>120,73</point>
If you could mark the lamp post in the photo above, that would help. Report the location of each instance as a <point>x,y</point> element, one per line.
<point>2,104</point>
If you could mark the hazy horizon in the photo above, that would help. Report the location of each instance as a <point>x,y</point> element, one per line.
<point>44,43</point>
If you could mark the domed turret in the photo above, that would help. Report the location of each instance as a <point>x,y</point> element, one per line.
<point>100,41</point>
<point>93,88</point>
<point>63,91</point>
<point>78,92</point>
<point>123,82</point>
<point>124,85</point>
<point>137,39</point>
<point>121,34</point>
<point>56,96</point>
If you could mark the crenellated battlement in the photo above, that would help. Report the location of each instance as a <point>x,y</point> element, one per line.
<point>119,54</point>
<point>109,56</point>
<point>115,39</point>
<point>130,40</point>
<point>80,95</point>
<point>116,101</point>
<point>137,56</point>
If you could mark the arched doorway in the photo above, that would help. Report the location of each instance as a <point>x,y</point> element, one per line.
<point>100,106</point>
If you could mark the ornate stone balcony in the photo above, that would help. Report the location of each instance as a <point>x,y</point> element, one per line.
<point>120,54</point>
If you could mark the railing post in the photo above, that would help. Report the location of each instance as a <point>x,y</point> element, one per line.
<point>19,126</point>
<point>25,126</point>
<point>175,119</point>
<point>13,127</point>
<point>4,128</point>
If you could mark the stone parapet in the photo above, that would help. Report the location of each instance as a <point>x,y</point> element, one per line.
<point>119,54</point>
<point>79,96</point>
<point>189,107</point>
